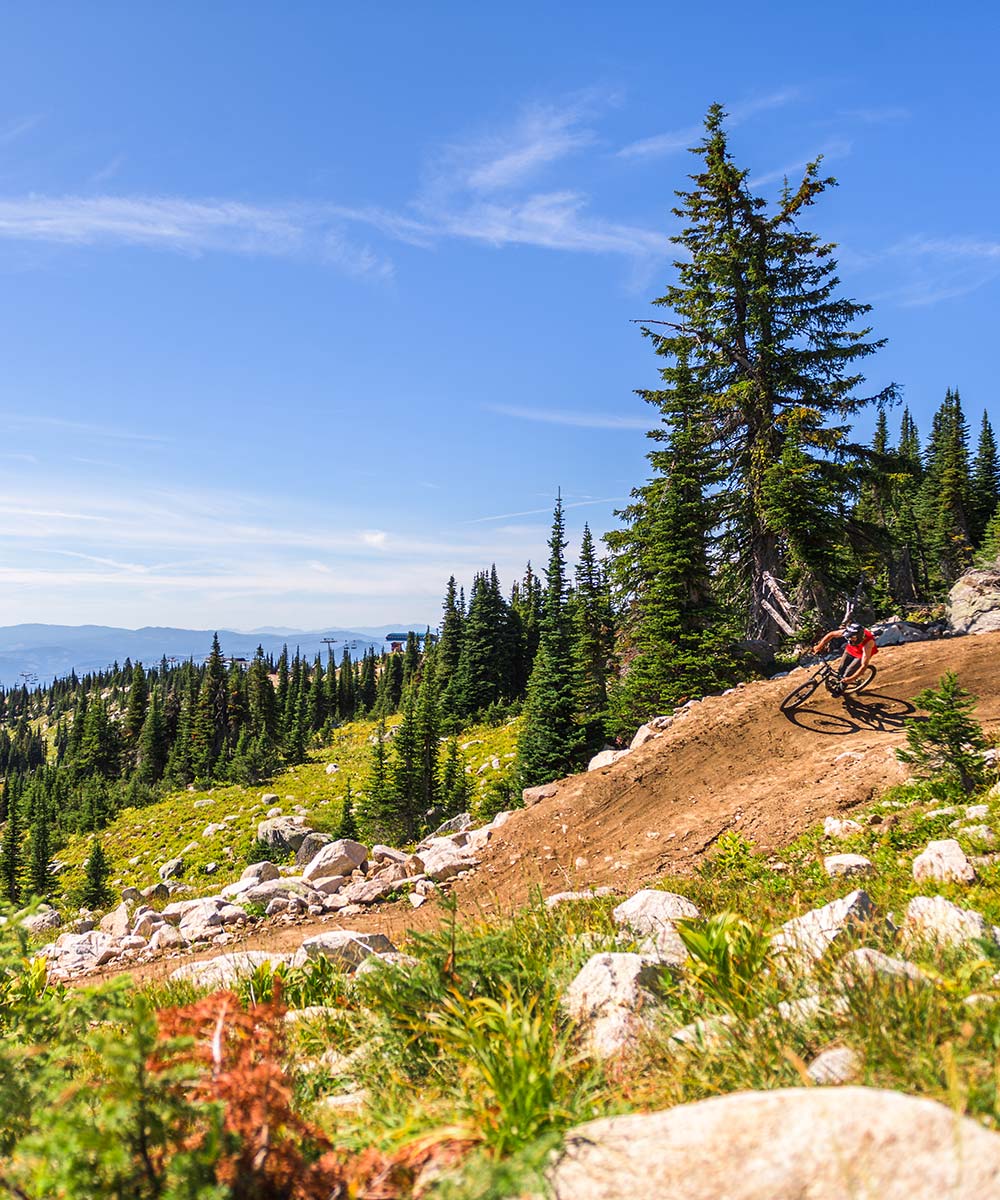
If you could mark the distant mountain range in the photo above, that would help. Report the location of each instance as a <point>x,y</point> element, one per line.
<point>47,652</point>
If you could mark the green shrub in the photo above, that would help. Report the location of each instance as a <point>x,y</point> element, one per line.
<point>729,958</point>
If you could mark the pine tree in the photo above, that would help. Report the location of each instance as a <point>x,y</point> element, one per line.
<point>348,827</point>
<point>40,862</point>
<point>674,632</point>
<point>551,740</point>
<point>943,503</point>
<point>428,727</point>
<point>760,334</point>
<point>985,482</point>
<point>406,776</point>
<point>151,751</point>
<point>377,815</point>
<point>11,849</point>
<point>449,649</point>
<point>945,745</point>
<point>593,627</point>
<point>135,711</point>
<point>346,700</point>
<point>95,892</point>
<point>456,788</point>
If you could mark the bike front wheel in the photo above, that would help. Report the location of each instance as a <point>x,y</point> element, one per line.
<point>799,696</point>
<point>859,682</point>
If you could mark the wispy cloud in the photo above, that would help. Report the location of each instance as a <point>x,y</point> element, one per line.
<point>680,139</point>
<point>541,135</point>
<point>16,128</point>
<point>78,428</point>
<point>579,420</point>
<point>943,268</point>
<point>837,148</point>
<point>534,512</point>
<point>192,227</point>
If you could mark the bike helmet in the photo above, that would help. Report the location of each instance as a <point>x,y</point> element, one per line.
<point>854,632</point>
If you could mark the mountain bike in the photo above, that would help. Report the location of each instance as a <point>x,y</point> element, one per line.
<point>825,675</point>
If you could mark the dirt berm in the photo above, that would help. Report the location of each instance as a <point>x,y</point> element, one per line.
<point>730,762</point>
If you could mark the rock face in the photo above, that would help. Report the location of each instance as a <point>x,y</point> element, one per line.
<point>609,998</point>
<point>845,1143</point>
<point>974,601</point>
<point>943,861</point>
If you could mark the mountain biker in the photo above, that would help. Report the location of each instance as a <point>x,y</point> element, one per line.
<point>859,649</point>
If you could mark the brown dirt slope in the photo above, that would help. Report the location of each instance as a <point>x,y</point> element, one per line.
<point>731,762</point>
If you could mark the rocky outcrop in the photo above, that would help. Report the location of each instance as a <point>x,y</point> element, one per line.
<point>650,915</point>
<point>805,939</point>
<point>787,1144</point>
<point>974,601</point>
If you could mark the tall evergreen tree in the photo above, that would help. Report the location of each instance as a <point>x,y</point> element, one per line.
<point>758,329</point>
<point>674,632</point>
<point>40,863</point>
<point>135,710</point>
<point>552,741</point>
<point>11,849</point>
<point>985,482</point>
<point>593,627</point>
<point>152,749</point>
<point>943,503</point>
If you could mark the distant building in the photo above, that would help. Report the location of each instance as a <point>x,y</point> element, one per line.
<point>398,640</point>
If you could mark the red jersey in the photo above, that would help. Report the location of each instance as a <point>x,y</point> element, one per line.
<point>858,651</point>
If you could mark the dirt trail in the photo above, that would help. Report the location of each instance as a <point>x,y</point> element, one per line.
<point>731,762</point>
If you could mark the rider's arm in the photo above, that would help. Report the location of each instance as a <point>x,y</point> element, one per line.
<point>824,641</point>
<point>867,650</point>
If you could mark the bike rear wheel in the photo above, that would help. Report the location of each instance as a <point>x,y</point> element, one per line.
<point>799,696</point>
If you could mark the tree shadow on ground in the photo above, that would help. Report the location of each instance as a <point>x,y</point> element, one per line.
<point>870,710</point>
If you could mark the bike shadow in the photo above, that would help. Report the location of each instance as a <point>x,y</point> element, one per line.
<point>870,710</point>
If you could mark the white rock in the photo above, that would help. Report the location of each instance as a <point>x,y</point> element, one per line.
<point>344,946</point>
<point>846,1143</point>
<point>942,861</point>
<point>611,998</point>
<point>836,1066</point>
<point>605,758</point>
<point>282,833</point>
<point>837,827</point>
<point>806,938</point>
<point>866,964</point>
<point>651,914</point>
<point>571,897</point>
<point>227,969</point>
<point>533,795</point>
<point>974,601</point>
<point>935,919</point>
<point>848,864</point>
<point>983,835</point>
<point>645,733</point>
<point>332,768</point>
<point>166,937</point>
<point>339,858</point>
<point>445,861</point>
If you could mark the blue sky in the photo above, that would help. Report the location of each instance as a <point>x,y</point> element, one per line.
<point>305,308</point>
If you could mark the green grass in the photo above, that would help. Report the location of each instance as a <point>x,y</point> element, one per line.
<point>140,840</point>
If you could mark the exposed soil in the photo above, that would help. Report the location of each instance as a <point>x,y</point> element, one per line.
<point>730,762</point>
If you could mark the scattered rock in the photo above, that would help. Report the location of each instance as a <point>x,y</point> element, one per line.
<point>343,946</point>
<point>311,845</point>
<point>936,919</point>
<point>533,795</point>
<point>839,828</point>
<point>571,897</point>
<point>608,998</point>
<point>836,1066</point>
<point>787,1144</point>
<point>806,938</point>
<point>171,869</point>
<point>651,914</point>
<point>225,970</point>
<point>865,964</point>
<point>943,861</point>
<point>282,833</point>
<point>605,758</point>
<point>848,864</point>
<point>338,858</point>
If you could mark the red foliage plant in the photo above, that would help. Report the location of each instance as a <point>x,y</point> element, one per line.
<point>270,1152</point>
